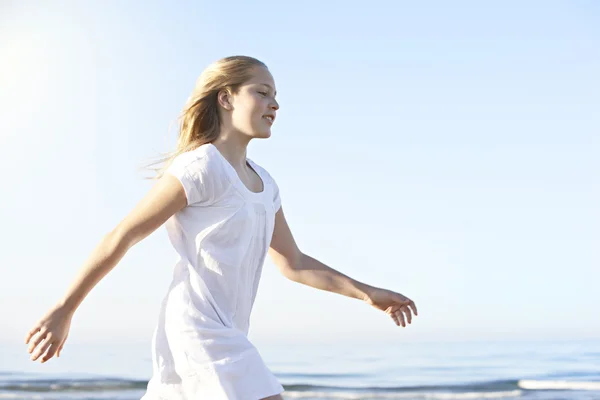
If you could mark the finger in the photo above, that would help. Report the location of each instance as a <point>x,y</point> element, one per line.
<point>37,339</point>
<point>396,321</point>
<point>42,349</point>
<point>407,312</point>
<point>413,307</point>
<point>400,316</point>
<point>31,333</point>
<point>60,348</point>
<point>50,353</point>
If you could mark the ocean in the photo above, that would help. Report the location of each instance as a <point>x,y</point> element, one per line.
<point>532,370</point>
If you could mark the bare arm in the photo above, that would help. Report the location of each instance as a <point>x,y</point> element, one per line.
<point>301,268</point>
<point>160,203</point>
<point>165,198</point>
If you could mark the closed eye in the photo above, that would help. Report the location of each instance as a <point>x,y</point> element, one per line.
<point>263,93</point>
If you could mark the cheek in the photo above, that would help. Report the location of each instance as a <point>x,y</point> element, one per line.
<point>242,109</point>
<point>250,105</point>
<point>255,108</point>
<point>248,113</point>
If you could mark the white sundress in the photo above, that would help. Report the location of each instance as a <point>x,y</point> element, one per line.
<point>200,348</point>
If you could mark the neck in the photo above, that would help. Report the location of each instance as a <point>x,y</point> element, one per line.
<point>233,147</point>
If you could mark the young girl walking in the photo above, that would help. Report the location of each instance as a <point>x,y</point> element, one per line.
<point>223,214</point>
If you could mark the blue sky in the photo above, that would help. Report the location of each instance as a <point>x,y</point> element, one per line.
<point>445,151</point>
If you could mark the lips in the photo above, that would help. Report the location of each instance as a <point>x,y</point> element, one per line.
<point>269,117</point>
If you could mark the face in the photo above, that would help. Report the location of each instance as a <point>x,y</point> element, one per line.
<point>253,104</point>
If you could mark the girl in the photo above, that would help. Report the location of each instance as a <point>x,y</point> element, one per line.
<point>223,213</point>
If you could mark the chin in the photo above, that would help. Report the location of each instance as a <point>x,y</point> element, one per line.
<point>262,135</point>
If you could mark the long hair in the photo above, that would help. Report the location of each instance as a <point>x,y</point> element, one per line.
<point>199,120</point>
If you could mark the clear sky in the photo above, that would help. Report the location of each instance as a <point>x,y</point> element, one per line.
<point>448,151</point>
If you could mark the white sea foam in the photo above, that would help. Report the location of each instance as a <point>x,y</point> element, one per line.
<point>558,385</point>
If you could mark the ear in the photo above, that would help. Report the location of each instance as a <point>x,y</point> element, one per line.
<point>224,99</point>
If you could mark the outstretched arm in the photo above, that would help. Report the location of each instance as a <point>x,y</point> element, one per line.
<point>163,200</point>
<point>302,268</point>
<point>48,335</point>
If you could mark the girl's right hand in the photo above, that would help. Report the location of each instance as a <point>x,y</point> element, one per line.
<point>49,334</point>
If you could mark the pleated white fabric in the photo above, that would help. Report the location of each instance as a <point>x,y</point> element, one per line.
<point>200,348</point>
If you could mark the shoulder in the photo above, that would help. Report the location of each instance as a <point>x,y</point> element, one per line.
<point>201,159</point>
<point>201,173</point>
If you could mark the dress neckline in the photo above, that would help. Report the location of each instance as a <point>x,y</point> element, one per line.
<point>236,178</point>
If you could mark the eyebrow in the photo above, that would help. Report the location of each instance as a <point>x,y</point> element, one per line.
<point>270,87</point>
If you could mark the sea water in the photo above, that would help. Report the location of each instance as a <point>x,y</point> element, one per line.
<point>536,370</point>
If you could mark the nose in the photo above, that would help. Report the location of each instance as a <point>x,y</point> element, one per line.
<point>275,105</point>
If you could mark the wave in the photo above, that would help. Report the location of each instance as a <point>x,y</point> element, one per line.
<point>72,385</point>
<point>495,386</point>
<point>484,390</point>
<point>558,385</point>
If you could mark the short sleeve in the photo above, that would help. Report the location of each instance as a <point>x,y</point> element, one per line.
<point>276,196</point>
<point>193,172</point>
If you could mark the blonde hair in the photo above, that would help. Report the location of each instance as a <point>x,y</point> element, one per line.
<point>199,120</point>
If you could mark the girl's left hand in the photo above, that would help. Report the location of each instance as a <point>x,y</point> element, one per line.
<point>394,304</point>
